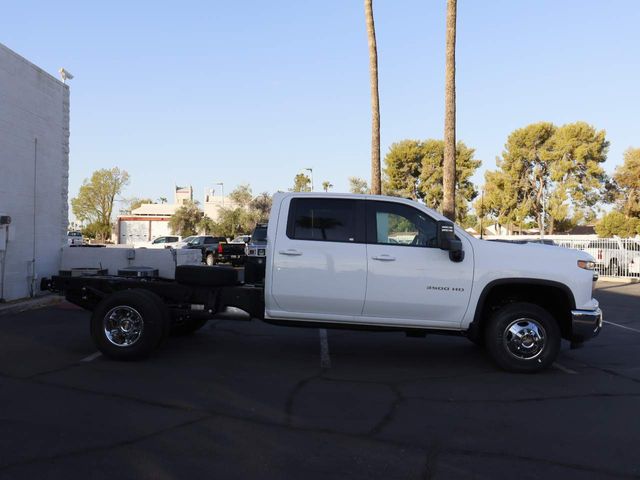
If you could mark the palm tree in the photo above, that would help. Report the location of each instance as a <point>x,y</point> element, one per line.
<point>375,99</point>
<point>326,185</point>
<point>449,167</point>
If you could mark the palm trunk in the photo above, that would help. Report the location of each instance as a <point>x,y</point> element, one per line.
<point>449,167</point>
<point>375,100</point>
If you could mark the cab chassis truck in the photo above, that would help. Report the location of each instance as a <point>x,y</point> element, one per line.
<point>363,262</point>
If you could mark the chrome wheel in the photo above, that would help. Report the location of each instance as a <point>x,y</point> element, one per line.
<point>123,326</point>
<point>524,338</point>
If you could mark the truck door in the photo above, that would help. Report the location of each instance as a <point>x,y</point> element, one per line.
<point>409,280</point>
<point>319,259</point>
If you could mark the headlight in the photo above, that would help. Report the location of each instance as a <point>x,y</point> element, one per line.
<point>587,264</point>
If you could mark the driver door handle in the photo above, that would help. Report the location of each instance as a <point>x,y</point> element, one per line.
<point>290,252</point>
<point>384,258</point>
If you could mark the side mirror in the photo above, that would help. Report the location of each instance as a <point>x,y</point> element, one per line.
<point>446,240</point>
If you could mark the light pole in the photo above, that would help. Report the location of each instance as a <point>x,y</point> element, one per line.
<point>221,188</point>
<point>310,170</point>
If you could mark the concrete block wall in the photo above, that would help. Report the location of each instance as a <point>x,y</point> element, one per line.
<point>34,172</point>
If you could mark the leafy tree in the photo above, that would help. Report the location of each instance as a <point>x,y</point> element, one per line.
<point>234,221</point>
<point>207,226</point>
<point>415,169</point>
<point>358,185</point>
<point>376,187</point>
<point>301,183</point>
<point>96,230</point>
<point>627,178</point>
<point>544,167</point>
<point>326,185</point>
<point>260,207</point>
<point>242,195</point>
<point>403,164</point>
<point>616,223</point>
<point>450,146</point>
<point>186,220</point>
<point>94,203</point>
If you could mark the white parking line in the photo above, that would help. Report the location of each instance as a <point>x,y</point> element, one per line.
<point>325,359</point>
<point>91,357</point>
<point>621,326</point>
<point>564,369</point>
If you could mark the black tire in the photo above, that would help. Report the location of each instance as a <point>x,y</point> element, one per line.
<point>164,311</point>
<point>527,356</point>
<point>205,276</point>
<point>187,327</point>
<point>136,307</point>
<point>210,260</point>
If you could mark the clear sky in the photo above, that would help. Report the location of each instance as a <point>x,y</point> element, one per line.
<point>200,92</point>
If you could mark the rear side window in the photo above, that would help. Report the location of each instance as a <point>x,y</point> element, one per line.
<point>326,220</point>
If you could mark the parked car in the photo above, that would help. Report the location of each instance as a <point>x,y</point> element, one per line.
<point>168,241</point>
<point>330,263</point>
<point>615,256</point>
<point>241,239</point>
<point>75,239</point>
<point>256,252</point>
<point>207,244</point>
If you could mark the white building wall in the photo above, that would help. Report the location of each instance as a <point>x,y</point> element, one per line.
<point>34,170</point>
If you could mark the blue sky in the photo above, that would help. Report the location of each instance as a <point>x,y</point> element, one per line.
<point>200,92</point>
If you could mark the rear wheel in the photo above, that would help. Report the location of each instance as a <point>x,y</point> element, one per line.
<point>128,325</point>
<point>523,337</point>
<point>210,260</point>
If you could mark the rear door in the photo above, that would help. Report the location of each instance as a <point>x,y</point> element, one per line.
<point>411,281</point>
<point>319,259</point>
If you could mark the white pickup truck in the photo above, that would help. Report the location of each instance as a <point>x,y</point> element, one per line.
<point>364,262</point>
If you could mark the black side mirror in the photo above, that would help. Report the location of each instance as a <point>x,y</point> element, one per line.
<point>446,240</point>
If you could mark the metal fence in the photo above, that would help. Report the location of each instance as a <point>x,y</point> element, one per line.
<point>614,257</point>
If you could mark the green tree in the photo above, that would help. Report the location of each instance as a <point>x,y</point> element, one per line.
<point>94,203</point>
<point>403,164</point>
<point>301,183</point>
<point>617,223</point>
<point>242,195</point>
<point>326,185</point>
<point>162,200</point>
<point>260,207</point>
<point>234,221</point>
<point>415,169</point>
<point>207,226</point>
<point>450,146</point>
<point>544,167</point>
<point>186,220</point>
<point>358,185</point>
<point>376,187</point>
<point>627,179</point>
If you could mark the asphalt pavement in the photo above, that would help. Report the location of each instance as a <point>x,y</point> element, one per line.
<point>244,399</point>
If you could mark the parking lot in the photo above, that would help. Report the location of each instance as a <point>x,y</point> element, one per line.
<point>244,399</point>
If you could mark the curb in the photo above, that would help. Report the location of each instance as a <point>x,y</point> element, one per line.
<point>29,304</point>
<point>622,280</point>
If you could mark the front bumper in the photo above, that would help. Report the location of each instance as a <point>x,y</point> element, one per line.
<point>585,324</point>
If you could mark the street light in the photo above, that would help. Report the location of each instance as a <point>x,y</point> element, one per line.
<point>222,188</point>
<point>310,170</point>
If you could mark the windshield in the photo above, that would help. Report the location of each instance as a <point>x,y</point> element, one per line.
<point>259,234</point>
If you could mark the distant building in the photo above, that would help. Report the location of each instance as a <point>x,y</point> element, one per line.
<point>151,220</point>
<point>34,174</point>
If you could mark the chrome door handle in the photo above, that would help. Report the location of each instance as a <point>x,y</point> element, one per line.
<point>290,252</point>
<point>384,258</point>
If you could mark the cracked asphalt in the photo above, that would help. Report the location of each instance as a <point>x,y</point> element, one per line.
<point>242,399</point>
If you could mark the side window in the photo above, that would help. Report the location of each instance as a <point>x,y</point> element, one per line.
<point>397,224</point>
<point>321,219</point>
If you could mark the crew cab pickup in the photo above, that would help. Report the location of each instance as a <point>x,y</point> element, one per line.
<point>364,262</point>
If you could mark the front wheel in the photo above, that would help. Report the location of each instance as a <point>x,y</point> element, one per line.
<point>523,337</point>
